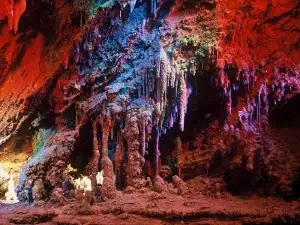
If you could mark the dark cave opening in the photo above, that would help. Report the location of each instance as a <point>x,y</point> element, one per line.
<point>69,117</point>
<point>83,149</point>
<point>296,184</point>
<point>206,104</point>
<point>167,145</point>
<point>239,181</point>
<point>286,114</point>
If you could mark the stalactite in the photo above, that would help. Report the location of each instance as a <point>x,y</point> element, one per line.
<point>132,5</point>
<point>229,102</point>
<point>258,106</point>
<point>171,121</point>
<point>158,67</point>
<point>144,27</point>
<point>164,70</point>
<point>151,81</point>
<point>153,7</point>
<point>265,97</point>
<point>157,152</point>
<point>147,92</point>
<point>183,101</point>
<point>173,73</point>
<point>176,86</point>
<point>15,10</point>
<point>250,110</point>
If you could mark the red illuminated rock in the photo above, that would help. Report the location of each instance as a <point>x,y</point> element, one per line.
<point>14,11</point>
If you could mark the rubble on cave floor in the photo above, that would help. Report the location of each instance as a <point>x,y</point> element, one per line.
<point>155,208</point>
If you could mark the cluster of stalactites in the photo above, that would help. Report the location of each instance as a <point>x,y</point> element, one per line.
<point>260,105</point>
<point>231,78</point>
<point>14,11</point>
<point>170,92</point>
<point>284,81</point>
<point>170,75</point>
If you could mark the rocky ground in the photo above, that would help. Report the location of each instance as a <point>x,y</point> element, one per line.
<point>155,208</point>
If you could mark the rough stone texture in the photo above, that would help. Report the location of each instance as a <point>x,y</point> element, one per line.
<point>148,208</point>
<point>108,190</point>
<point>142,76</point>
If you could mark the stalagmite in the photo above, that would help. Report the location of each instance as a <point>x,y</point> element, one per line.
<point>179,155</point>
<point>143,129</point>
<point>108,188</point>
<point>96,155</point>
<point>135,161</point>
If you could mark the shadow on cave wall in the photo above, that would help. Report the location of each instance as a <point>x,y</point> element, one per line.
<point>286,114</point>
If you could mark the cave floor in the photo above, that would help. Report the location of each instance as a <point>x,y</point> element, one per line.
<point>153,208</point>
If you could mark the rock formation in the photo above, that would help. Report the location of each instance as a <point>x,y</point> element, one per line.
<point>191,85</point>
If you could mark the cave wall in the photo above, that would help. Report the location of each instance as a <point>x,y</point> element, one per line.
<point>137,71</point>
